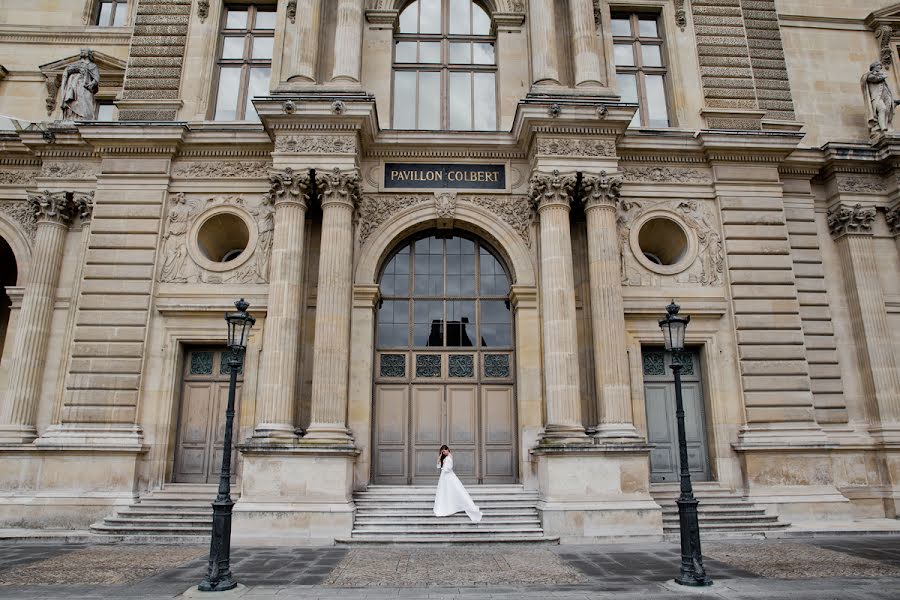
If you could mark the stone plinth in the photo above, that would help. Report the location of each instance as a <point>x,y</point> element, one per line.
<point>602,493</point>
<point>295,496</point>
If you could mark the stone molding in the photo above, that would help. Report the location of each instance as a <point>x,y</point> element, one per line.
<point>215,170</point>
<point>516,211</point>
<point>892,216</point>
<point>316,144</point>
<point>601,191</point>
<point>289,187</point>
<point>575,147</point>
<point>846,219</point>
<point>551,190</point>
<point>340,187</point>
<point>666,175</point>
<point>374,210</point>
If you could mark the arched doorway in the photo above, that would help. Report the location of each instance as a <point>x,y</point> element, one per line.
<point>8,275</point>
<point>444,368</point>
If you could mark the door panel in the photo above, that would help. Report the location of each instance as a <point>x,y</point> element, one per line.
<point>498,424</point>
<point>391,405</point>
<point>428,430</point>
<point>462,423</point>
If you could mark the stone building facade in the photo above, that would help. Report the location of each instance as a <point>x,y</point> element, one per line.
<point>456,222</point>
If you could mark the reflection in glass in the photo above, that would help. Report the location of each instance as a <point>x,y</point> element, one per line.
<point>429,100</point>
<point>496,323</point>
<point>233,47</point>
<point>647,28</point>
<point>393,321</point>
<point>483,53</point>
<point>656,101</point>
<point>409,18</point>
<point>259,86</point>
<point>405,99</point>
<point>430,17</point>
<point>428,323</point>
<point>485,102</point>
<point>405,52</point>
<point>621,27</point>
<point>481,22</point>
<point>429,52</point>
<point>460,101</point>
<point>651,55</point>
<point>227,97</point>
<point>262,48</point>
<point>460,53</point>
<point>236,19</point>
<point>460,23</point>
<point>460,323</point>
<point>624,55</point>
<point>265,19</point>
<point>627,87</point>
<point>105,13</point>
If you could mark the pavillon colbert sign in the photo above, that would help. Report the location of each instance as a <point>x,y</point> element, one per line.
<point>458,176</point>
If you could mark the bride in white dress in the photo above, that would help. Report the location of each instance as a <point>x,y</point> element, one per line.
<point>451,496</point>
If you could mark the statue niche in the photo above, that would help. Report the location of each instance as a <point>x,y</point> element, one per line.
<point>879,100</point>
<point>79,87</point>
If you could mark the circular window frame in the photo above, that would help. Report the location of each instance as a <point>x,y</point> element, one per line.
<point>200,258</point>
<point>690,254</point>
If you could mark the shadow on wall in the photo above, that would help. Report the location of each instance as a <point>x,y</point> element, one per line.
<point>8,275</point>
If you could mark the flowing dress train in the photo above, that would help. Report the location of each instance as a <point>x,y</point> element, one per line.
<point>451,496</point>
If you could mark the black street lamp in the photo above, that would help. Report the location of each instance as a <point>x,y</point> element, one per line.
<point>218,574</point>
<point>692,571</point>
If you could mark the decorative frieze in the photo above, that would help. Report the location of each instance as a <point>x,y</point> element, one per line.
<point>575,147</point>
<point>514,210</point>
<point>861,184</point>
<point>844,219</point>
<point>551,190</point>
<point>372,211</point>
<point>601,190</point>
<point>215,170</point>
<point>21,212</point>
<point>666,175</point>
<point>316,144</point>
<point>69,170</point>
<point>22,178</point>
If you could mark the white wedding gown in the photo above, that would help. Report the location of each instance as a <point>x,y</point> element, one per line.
<point>451,496</point>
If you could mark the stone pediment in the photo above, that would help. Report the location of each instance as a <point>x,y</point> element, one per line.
<point>112,74</point>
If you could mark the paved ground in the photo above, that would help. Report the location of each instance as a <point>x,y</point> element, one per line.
<point>846,568</point>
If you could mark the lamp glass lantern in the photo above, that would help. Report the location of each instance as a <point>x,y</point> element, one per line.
<point>673,328</point>
<point>239,324</point>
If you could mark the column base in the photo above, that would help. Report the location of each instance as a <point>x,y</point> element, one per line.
<point>564,435</point>
<point>274,434</point>
<point>14,435</point>
<point>121,437</point>
<point>606,433</point>
<point>767,435</point>
<point>295,496</point>
<point>329,435</point>
<point>886,434</point>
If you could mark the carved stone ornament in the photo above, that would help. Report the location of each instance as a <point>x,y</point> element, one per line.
<point>879,100</point>
<point>551,190</point>
<point>292,10</point>
<point>892,216</point>
<point>554,110</point>
<point>515,210</point>
<point>708,266</point>
<point>21,212</point>
<point>289,107</point>
<point>178,264</point>
<point>372,211</point>
<point>575,147</point>
<point>339,187</point>
<point>602,111</point>
<point>680,14</point>
<point>338,107</point>
<point>445,208</point>
<point>52,81</point>
<point>84,205</point>
<point>323,144</point>
<point>52,207</point>
<point>871,184</point>
<point>202,10</point>
<point>68,170</point>
<point>883,34</point>
<point>844,219</point>
<point>601,190</point>
<point>666,175</point>
<point>212,170</point>
<point>289,187</point>
<point>18,177</point>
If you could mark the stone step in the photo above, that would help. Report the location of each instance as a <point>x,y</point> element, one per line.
<point>131,529</point>
<point>726,519</point>
<point>475,538</point>
<point>430,503</point>
<point>749,528</point>
<point>428,512</point>
<point>138,511</point>
<point>469,529</point>
<point>441,521</point>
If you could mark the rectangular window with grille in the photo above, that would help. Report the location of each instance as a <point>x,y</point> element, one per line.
<point>245,60</point>
<point>639,53</point>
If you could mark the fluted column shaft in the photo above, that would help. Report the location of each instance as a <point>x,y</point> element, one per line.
<point>17,417</point>
<point>560,337</point>
<point>544,67</point>
<point>348,41</point>
<point>309,15</point>
<point>607,309</point>
<point>851,226</point>
<point>281,338</point>
<point>331,351</point>
<point>584,43</point>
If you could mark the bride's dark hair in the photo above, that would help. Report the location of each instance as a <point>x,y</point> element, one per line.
<point>441,453</point>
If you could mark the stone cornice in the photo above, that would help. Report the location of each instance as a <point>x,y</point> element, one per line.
<point>748,146</point>
<point>51,35</point>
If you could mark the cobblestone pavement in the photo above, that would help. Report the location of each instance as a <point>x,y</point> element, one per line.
<point>847,568</point>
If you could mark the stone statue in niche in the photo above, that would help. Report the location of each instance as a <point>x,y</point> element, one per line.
<point>80,82</point>
<point>879,99</point>
<point>175,251</point>
<point>265,217</point>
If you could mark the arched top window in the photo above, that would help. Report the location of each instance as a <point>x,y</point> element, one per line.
<point>445,67</point>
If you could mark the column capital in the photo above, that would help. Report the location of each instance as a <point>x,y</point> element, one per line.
<point>52,207</point>
<point>551,190</point>
<point>601,191</point>
<point>340,187</point>
<point>892,216</point>
<point>847,219</point>
<point>289,187</point>
<point>84,204</point>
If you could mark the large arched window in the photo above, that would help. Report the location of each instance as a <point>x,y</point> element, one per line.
<point>445,67</point>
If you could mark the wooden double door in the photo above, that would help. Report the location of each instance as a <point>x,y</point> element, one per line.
<point>662,431</point>
<point>201,419</point>
<point>474,415</point>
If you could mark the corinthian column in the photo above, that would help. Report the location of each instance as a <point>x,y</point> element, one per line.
<point>348,41</point>
<point>281,338</point>
<point>310,12</point>
<point>54,212</point>
<point>543,42</point>
<point>551,194</point>
<point>331,352</point>
<point>607,309</point>
<point>851,226</point>
<point>584,43</point>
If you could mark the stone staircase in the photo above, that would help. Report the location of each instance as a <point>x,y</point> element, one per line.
<point>181,511</point>
<point>723,512</point>
<point>403,514</point>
